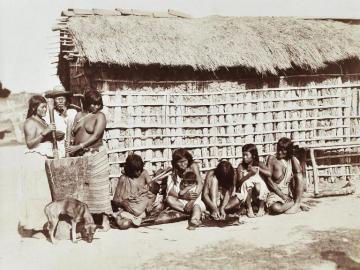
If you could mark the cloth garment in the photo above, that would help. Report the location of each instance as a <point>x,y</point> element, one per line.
<point>250,184</point>
<point>97,188</point>
<point>64,124</point>
<point>34,192</point>
<point>173,181</point>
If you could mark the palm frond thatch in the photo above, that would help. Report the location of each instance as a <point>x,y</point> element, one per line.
<point>266,44</point>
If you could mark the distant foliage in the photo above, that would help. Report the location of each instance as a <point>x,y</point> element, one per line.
<point>4,92</point>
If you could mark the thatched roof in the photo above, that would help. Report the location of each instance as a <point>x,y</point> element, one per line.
<point>266,44</point>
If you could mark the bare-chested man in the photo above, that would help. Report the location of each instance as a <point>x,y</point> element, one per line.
<point>286,182</point>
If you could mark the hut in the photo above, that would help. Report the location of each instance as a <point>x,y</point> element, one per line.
<point>215,83</point>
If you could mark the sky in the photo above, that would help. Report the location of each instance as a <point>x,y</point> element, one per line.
<point>27,43</point>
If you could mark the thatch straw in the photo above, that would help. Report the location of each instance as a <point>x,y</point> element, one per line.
<point>266,44</point>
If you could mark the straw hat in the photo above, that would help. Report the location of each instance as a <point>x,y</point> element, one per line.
<point>57,91</point>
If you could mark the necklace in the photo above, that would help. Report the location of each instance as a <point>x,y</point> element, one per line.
<point>74,127</point>
<point>41,121</point>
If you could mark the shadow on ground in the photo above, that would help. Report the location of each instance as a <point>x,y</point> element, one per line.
<point>314,249</point>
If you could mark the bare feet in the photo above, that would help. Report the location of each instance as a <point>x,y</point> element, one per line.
<point>105,224</point>
<point>261,212</point>
<point>250,213</point>
<point>39,235</point>
<point>293,210</point>
<point>304,207</point>
<point>215,216</point>
<point>193,224</point>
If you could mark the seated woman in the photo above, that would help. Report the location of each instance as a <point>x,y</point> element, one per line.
<point>182,162</point>
<point>88,130</point>
<point>249,179</point>
<point>134,193</point>
<point>218,187</point>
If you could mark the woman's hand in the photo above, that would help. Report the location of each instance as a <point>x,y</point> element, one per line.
<point>190,195</point>
<point>59,135</point>
<point>48,129</point>
<point>189,206</point>
<point>253,169</point>
<point>215,214</point>
<point>73,149</point>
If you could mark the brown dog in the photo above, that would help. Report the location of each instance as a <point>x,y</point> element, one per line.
<point>77,211</point>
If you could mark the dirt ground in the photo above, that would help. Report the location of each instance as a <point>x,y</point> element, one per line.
<point>327,237</point>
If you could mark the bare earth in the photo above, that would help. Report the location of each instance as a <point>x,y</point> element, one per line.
<point>327,237</point>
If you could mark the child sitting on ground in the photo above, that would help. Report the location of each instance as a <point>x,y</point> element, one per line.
<point>133,193</point>
<point>135,208</point>
<point>249,178</point>
<point>194,207</point>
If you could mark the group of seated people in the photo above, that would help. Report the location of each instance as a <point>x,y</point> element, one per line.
<point>276,186</point>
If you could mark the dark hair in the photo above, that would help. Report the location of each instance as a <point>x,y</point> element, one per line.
<point>189,177</point>
<point>154,187</point>
<point>286,144</point>
<point>34,103</point>
<point>251,148</point>
<point>92,97</point>
<point>180,154</point>
<point>224,173</point>
<point>133,163</point>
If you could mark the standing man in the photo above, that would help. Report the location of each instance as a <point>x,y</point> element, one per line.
<point>63,115</point>
<point>286,182</point>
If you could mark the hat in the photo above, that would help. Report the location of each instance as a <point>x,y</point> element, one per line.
<point>58,91</point>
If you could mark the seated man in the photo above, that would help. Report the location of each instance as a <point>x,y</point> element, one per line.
<point>286,182</point>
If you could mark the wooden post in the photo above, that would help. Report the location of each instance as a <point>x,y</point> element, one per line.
<point>315,170</point>
<point>52,121</point>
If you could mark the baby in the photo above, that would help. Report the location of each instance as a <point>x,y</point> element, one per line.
<point>195,207</point>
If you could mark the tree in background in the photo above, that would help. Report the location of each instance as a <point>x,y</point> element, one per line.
<point>4,92</point>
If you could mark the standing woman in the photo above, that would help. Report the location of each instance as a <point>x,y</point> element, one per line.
<point>87,131</point>
<point>34,188</point>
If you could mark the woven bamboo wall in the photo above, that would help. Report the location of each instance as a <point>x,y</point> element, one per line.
<point>215,121</point>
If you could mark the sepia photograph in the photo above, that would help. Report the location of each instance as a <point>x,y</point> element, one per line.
<point>153,134</point>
